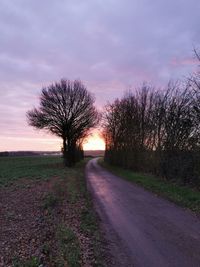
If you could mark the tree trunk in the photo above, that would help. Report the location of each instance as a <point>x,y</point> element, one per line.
<point>64,150</point>
<point>71,154</point>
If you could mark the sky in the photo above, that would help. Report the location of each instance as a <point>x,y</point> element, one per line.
<point>111,45</point>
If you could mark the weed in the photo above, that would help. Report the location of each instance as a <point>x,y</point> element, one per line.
<point>60,189</point>
<point>72,189</point>
<point>46,248</point>
<point>69,246</point>
<point>32,262</point>
<point>88,221</point>
<point>50,201</point>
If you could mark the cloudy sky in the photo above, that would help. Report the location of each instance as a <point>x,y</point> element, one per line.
<point>111,45</point>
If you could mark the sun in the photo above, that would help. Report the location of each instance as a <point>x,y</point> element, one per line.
<point>94,142</point>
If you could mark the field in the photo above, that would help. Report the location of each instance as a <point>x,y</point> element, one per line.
<point>47,217</point>
<point>31,168</point>
<point>94,153</point>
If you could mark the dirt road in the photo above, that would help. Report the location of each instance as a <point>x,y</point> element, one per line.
<point>143,230</point>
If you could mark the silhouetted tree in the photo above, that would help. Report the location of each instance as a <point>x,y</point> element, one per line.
<point>155,131</point>
<point>194,82</point>
<point>66,110</point>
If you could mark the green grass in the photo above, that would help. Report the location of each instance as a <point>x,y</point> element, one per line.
<point>37,168</point>
<point>69,246</point>
<point>50,201</point>
<point>182,195</point>
<point>32,262</point>
<point>88,221</point>
<point>77,192</point>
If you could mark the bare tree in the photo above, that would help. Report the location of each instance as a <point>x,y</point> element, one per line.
<point>194,83</point>
<point>66,110</point>
<point>154,130</point>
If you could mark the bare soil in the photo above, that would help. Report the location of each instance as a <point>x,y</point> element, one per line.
<point>28,228</point>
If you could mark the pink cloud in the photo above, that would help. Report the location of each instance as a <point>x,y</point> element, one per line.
<point>183,61</point>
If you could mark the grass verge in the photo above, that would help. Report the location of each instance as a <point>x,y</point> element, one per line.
<point>80,233</point>
<point>182,195</point>
<point>69,246</point>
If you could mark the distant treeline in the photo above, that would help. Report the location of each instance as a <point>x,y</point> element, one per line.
<point>157,131</point>
<point>27,153</point>
<point>4,154</point>
<point>18,153</point>
<point>94,153</point>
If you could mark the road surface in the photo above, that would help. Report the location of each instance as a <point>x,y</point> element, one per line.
<point>143,230</point>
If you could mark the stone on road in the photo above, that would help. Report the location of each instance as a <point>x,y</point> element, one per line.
<point>143,229</point>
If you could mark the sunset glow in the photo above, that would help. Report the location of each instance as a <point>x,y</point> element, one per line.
<point>42,142</point>
<point>95,142</point>
<point>92,42</point>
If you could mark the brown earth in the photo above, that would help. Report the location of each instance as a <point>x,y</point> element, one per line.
<point>28,228</point>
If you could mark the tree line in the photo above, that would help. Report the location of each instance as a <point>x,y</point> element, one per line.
<point>148,130</point>
<point>156,131</point>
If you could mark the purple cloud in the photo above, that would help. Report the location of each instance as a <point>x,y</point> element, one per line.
<point>110,45</point>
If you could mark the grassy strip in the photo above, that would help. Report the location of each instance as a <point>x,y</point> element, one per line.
<point>77,192</point>
<point>182,195</point>
<point>32,262</point>
<point>69,246</point>
<point>73,188</point>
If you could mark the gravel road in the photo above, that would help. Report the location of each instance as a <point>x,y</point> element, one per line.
<point>143,230</point>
